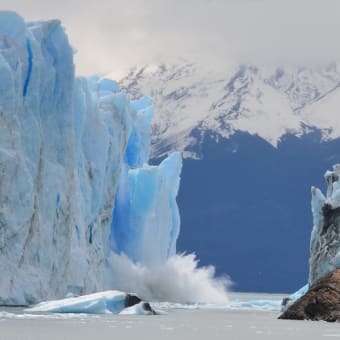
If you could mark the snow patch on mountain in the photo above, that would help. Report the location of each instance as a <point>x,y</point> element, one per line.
<point>268,101</point>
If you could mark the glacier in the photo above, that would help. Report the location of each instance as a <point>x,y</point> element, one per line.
<point>289,300</point>
<point>75,184</point>
<point>98,303</point>
<point>325,242</point>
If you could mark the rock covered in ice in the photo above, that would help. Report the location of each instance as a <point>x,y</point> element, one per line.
<point>107,302</point>
<point>325,238</point>
<point>321,301</point>
<point>66,144</point>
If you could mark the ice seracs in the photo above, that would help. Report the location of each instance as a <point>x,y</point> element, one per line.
<point>67,145</point>
<point>146,221</point>
<point>319,300</point>
<point>325,238</point>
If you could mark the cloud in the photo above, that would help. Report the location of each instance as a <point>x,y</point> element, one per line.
<point>112,35</point>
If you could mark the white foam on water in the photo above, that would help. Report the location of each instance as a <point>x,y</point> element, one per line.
<point>178,280</point>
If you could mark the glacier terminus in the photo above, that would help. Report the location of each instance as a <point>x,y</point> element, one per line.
<point>75,184</point>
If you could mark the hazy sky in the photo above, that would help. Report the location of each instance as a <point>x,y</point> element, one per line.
<point>113,35</point>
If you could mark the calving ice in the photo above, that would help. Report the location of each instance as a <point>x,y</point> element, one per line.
<point>80,208</point>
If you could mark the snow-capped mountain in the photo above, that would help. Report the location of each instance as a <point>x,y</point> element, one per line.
<point>264,101</point>
<point>255,139</point>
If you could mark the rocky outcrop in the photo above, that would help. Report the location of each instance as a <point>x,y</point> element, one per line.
<point>321,302</point>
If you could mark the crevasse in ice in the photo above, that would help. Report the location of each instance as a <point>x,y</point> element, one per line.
<point>75,185</point>
<point>325,238</point>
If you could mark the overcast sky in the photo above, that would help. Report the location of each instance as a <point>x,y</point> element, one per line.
<point>113,35</point>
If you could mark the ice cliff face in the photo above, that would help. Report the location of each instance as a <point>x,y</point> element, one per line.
<point>325,242</point>
<point>67,146</point>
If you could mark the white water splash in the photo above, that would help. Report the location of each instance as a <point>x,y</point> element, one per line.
<point>177,280</point>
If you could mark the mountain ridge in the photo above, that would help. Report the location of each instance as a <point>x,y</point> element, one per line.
<point>264,101</point>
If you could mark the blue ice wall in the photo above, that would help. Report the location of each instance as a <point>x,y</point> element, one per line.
<point>138,149</point>
<point>146,222</point>
<point>66,144</point>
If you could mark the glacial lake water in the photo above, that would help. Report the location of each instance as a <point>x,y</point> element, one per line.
<point>248,316</point>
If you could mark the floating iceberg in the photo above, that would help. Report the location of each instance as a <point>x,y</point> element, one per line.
<point>107,302</point>
<point>146,210</point>
<point>75,184</point>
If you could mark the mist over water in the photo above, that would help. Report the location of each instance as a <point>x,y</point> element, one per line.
<point>178,280</point>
